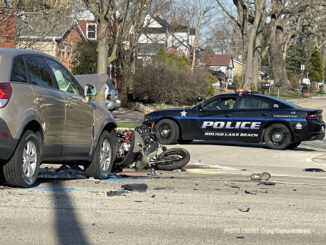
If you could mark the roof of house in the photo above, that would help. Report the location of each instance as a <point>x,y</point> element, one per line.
<point>216,59</point>
<point>46,28</point>
<point>167,26</point>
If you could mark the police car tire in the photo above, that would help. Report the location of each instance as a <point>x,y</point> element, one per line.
<point>181,154</point>
<point>275,145</point>
<point>173,129</point>
<point>294,145</point>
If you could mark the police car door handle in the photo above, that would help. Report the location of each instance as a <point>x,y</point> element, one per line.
<point>228,115</point>
<point>264,114</point>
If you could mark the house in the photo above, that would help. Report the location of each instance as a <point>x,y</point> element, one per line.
<point>7,24</point>
<point>158,33</point>
<point>217,63</point>
<point>53,36</point>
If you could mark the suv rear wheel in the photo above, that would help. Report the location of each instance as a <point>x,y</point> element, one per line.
<point>104,156</point>
<point>23,167</point>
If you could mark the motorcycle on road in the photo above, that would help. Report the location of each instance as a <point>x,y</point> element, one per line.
<point>139,149</point>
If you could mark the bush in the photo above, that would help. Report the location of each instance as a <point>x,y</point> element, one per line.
<point>166,83</point>
<point>238,81</point>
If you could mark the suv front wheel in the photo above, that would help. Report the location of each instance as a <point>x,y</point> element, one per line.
<point>23,167</point>
<point>104,156</point>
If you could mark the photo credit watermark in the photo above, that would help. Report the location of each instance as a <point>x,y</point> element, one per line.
<point>266,231</point>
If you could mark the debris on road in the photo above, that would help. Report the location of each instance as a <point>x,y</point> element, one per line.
<point>249,192</point>
<point>135,187</point>
<point>159,188</point>
<point>245,210</point>
<point>64,172</point>
<point>266,183</point>
<point>116,193</point>
<point>262,176</point>
<point>313,170</point>
<point>234,186</point>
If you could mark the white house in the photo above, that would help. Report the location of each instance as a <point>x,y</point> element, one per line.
<point>158,33</point>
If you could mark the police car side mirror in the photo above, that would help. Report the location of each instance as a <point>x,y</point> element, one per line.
<point>200,107</point>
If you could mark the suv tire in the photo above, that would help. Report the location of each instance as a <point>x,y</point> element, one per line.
<point>23,167</point>
<point>104,156</point>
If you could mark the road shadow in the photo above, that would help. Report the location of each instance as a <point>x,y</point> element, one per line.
<point>244,144</point>
<point>67,224</point>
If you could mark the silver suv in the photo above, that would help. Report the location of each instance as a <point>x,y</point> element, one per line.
<point>47,117</point>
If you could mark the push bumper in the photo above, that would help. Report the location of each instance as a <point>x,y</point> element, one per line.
<point>7,143</point>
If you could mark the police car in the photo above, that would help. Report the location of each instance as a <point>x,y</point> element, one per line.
<point>240,116</point>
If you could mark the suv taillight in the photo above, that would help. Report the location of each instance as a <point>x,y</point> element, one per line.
<point>5,94</point>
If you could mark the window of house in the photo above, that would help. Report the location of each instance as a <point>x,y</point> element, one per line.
<point>91,31</point>
<point>62,50</point>
<point>69,51</point>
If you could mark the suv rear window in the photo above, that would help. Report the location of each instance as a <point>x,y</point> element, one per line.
<point>18,71</point>
<point>38,70</point>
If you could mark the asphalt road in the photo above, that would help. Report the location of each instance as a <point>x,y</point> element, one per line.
<point>203,205</point>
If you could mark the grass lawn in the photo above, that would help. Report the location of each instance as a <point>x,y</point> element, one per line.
<point>127,125</point>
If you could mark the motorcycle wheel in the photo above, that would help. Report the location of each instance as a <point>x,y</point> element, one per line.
<point>174,158</point>
<point>130,156</point>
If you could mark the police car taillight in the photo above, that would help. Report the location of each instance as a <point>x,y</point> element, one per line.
<point>5,94</point>
<point>312,116</point>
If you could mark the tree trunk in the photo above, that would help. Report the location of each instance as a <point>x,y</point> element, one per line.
<point>102,56</point>
<point>277,59</point>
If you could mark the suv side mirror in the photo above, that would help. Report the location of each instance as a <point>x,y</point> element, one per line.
<point>89,90</point>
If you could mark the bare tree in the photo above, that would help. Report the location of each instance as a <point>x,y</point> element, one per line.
<point>119,27</point>
<point>269,26</point>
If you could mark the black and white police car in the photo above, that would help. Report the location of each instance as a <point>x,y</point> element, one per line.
<point>241,116</point>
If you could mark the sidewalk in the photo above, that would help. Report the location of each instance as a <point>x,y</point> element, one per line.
<point>126,115</point>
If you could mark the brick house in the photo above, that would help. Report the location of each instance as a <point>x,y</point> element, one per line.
<point>54,37</point>
<point>218,63</point>
<point>8,21</point>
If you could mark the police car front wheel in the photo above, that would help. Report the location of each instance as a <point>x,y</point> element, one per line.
<point>277,136</point>
<point>168,131</point>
